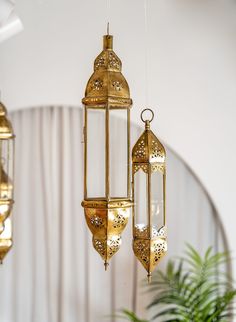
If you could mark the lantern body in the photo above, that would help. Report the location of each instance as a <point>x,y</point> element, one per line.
<point>107,191</point>
<point>7,165</point>
<point>148,186</point>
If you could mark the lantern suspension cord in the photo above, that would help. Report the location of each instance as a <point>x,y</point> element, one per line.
<point>108,15</point>
<point>146,50</point>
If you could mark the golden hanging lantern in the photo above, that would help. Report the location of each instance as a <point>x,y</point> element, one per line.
<point>107,191</point>
<point>7,165</point>
<point>148,190</point>
<point>5,239</point>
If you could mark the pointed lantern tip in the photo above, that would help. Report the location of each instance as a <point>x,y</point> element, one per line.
<point>106,264</point>
<point>149,276</point>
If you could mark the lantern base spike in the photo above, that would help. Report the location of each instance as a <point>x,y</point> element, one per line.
<point>149,276</point>
<point>106,264</point>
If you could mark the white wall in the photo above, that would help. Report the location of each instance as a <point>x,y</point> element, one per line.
<point>191,76</point>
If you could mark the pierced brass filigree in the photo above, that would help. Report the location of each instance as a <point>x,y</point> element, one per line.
<point>106,90</point>
<point>107,85</point>
<point>149,251</point>
<point>148,150</point>
<point>149,240</point>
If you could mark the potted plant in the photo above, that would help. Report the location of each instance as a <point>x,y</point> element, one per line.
<point>192,289</point>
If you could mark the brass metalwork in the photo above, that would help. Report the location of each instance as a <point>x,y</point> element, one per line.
<point>149,156</point>
<point>106,221</point>
<point>6,201</point>
<point>106,90</point>
<point>6,180</point>
<point>6,130</point>
<point>107,87</point>
<point>1,227</point>
<point>6,239</point>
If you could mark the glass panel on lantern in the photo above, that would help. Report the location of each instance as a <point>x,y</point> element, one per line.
<point>157,203</point>
<point>118,153</point>
<point>96,153</point>
<point>141,204</point>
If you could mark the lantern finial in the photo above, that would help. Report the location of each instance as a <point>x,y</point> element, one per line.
<point>107,42</point>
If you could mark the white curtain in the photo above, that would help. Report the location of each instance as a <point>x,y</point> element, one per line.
<point>53,274</point>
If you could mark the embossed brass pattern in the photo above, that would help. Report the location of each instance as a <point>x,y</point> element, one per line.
<point>149,241</point>
<point>106,90</point>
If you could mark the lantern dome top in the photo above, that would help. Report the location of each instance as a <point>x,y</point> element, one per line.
<point>107,86</point>
<point>6,130</point>
<point>149,150</point>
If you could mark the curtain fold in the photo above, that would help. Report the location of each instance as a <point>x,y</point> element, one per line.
<point>53,274</point>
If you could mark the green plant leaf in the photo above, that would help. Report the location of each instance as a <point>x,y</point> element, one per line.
<point>193,288</point>
<point>130,316</point>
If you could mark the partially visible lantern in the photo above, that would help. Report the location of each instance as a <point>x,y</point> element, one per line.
<point>1,227</point>
<point>6,166</point>
<point>6,239</point>
<point>148,188</point>
<point>107,191</point>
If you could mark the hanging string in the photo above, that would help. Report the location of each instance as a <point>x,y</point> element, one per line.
<point>146,50</point>
<point>108,15</point>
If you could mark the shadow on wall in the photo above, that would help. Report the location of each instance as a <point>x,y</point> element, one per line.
<point>53,274</point>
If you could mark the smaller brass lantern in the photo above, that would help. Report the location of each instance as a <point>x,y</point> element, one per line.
<point>148,188</point>
<point>7,165</point>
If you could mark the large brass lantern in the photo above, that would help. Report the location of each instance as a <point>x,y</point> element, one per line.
<point>107,197</point>
<point>148,188</point>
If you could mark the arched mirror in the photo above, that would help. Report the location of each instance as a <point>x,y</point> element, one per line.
<point>53,274</point>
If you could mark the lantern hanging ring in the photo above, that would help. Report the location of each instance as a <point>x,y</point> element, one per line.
<point>152,115</point>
